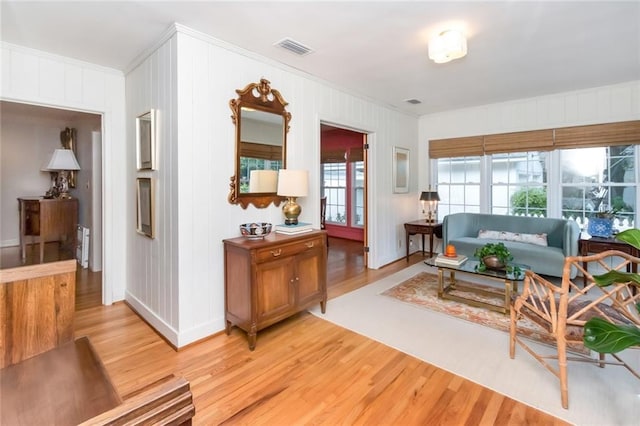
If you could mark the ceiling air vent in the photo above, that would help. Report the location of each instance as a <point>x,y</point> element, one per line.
<point>413,101</point>
<point>294,46</point>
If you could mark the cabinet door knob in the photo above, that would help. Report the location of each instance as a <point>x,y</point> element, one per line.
<point>276,253</point>
<point>310,244</point>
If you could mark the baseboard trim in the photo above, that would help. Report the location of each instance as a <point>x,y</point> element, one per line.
<point>162,328</point>
<point>9,243</point>
<point>174,338</point>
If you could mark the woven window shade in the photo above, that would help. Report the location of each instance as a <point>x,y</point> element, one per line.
<point>455,147</point>
<point>356,154</point>
<point>333,156</point>
<point>262,151</point>
<point>623,133</point>
<point>536,140</point>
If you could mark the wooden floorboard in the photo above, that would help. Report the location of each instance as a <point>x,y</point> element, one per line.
<point>304,370</point>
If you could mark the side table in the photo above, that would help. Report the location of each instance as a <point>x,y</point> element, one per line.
<point>423,228</point>
<point>600,244</point>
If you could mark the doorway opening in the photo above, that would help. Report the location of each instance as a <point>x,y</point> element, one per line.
<point>343,188</point>
<point>30,133</point>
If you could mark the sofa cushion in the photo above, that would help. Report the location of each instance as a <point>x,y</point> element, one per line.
<point>538,239</point>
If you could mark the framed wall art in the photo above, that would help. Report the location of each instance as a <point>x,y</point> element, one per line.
<point>145,207</point>
<point>400,170</point>
<point>146,141</point>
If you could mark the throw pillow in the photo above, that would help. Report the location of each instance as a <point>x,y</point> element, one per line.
<point>494,235</point>
<point>538,239</point>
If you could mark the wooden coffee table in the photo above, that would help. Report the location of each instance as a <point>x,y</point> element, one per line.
<point>471,267</point>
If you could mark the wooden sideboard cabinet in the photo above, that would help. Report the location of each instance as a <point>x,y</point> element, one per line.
<point>50,220</point>
<point>271,279</point>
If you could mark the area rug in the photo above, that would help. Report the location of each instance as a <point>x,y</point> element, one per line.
<point>422,290</point>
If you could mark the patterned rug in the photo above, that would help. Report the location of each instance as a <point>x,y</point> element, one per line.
<point>422,291</point>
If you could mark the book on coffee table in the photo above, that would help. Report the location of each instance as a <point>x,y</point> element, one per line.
<point>444,260</point>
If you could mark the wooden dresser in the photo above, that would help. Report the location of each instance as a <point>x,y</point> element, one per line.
<point>271,279</point>
<point>50,220</point>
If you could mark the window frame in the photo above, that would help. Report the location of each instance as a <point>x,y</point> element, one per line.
<point>554,184</point>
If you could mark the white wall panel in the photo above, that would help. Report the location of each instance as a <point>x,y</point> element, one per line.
<point>152,285</point>
<point>73,83</point>
<point>52,79</point>
<point>93,87</point>
<point>30,77</point>
<point>24,74</point>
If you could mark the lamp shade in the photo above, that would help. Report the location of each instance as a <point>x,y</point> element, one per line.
<point>447,46</point>
<point>263,180</point>
<point>62,159</point>
<point>293,183</point>
<point>429,196</point>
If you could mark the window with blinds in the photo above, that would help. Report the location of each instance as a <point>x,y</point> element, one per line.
<point>569,172</point>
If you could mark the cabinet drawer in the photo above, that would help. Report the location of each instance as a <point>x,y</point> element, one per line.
<point>268,254</point>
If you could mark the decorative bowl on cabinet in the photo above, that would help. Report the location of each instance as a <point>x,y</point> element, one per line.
<point>255,230</point>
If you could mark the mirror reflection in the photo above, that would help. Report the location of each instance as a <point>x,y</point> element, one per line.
<point>261,141</point>
<point>262,123</point>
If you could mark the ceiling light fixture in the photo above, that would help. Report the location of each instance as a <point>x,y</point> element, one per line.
<point>447,46</point>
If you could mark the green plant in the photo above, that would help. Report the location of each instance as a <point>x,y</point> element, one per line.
<point>601,335</point>
<point>606,214</point>
<point>501,252</point>
<point>529,200</point>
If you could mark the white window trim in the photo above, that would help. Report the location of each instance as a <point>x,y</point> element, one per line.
<point>554,187</point>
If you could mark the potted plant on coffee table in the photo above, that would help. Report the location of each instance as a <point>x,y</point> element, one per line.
<point>496,256</point>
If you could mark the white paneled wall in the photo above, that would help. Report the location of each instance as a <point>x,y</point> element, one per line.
<point>152,274</point>
<point>36,77</point>
<point>176,281</point>
<point>592,106</point>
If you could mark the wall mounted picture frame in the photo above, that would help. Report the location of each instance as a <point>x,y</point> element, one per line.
<point>145,207</point>
<point>400,170</point>
<point>146,141</point>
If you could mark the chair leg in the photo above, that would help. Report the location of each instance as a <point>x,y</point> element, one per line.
<point>512,333</point>
<point>562,372</point>
<point>601,357</point>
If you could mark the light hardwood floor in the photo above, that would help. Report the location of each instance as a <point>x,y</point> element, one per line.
<point>303,370</point>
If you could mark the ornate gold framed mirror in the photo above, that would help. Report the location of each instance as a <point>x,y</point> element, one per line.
<point>262,123</point>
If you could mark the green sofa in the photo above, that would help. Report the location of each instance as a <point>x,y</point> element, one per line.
<point>463,230</point>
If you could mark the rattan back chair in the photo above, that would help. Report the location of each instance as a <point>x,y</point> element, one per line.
<point>563,310</point>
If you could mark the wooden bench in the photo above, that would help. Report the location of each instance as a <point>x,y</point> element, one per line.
<point>48,377</point>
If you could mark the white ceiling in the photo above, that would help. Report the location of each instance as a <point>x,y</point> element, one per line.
<point>376,49</point>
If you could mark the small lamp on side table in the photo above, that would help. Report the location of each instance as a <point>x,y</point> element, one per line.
<point>62,161</point>
<point>292,184</point>
<point>430,198</point>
